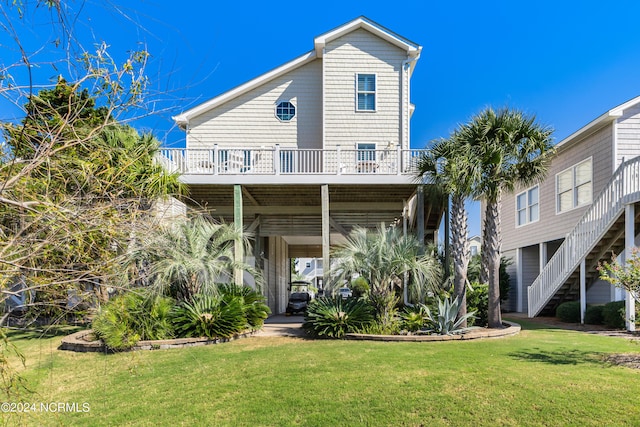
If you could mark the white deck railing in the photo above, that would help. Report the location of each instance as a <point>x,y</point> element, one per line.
<point>289,161</point>
<point>623,188</point>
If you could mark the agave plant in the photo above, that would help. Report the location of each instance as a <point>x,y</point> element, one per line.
<point>445,323</point>
<point>335,317</point>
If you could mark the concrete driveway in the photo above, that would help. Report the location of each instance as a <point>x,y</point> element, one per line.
<point>283,326</point>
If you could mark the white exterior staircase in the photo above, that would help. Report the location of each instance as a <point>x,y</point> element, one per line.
<point>599,232</point>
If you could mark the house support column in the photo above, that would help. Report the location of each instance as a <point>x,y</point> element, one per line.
<point>520,286</point>
<point>583,289</point>
<point>257,248</point>
<point>237,221</point>
<point>326,230</point>
<point>629,243</point>
<point>542,256</point>
<point>420,218</point>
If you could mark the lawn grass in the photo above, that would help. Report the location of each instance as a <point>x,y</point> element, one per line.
<point>541,377</point>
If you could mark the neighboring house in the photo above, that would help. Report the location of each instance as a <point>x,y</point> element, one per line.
<point>475,244</point>
<point>557,231</point>
<point>303,153</point>
<point>311,270</point>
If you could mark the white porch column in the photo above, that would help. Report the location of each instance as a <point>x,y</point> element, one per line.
<point>326,230</point>
<point>521,288</point>
<point>542,256</point>
<point>583,289</point>
<point>629,243</point>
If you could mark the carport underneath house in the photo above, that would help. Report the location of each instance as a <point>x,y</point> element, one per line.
<point>291,220</point>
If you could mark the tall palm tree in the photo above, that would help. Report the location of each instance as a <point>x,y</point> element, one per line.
<point>512,150</point>
<point>450,165</point>
<point>189,257</point>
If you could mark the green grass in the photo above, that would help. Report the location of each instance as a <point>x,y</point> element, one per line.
<point>541,377</point>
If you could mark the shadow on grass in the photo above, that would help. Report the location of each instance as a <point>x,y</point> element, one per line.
<point>529,325</point>
<point>567,357</point>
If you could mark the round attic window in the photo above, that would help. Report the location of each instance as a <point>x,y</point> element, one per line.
<point>285,111</point>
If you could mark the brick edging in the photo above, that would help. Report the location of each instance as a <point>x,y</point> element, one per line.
<point>76,342</point>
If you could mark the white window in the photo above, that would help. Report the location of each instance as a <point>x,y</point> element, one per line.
<point>285,111</point>
<point>528,206</point>
<point>573,186</point>
<point>366,92</point>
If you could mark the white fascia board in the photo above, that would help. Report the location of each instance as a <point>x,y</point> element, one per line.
<point>609,116</point>
<point>320,42</point>
<point>606,117</point>
<point>183,119</point>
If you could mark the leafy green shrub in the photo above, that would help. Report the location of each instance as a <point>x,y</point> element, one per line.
<point>385,310</point>
<point>478,301</point>
<point>210,316</point>
<point>473,274</point>
<point>569,312</point>
<point>253,306</point>
<point>445,322</point>
<point>414,318</point>
<point>360,287</point>
<point>375,328</point>
<point>593,315</point>
<point>335,317</point>
<point>134,316</point>
<point>613,314</point>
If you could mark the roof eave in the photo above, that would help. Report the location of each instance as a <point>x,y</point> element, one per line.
<point>183,118</point>
<point>607,117</point>
<point>594,124</point>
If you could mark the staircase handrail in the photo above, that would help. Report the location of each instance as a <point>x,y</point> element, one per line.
<point>622,188</point>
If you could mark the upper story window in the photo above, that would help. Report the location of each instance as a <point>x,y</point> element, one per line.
<point>528,206</point>
<point>366,92</point>
<point>574,186</point>
<point>285,111</point>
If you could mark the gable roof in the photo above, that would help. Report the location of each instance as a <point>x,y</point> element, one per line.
<point>363,22</point>
<point>413,51</point>
<point>607,117</point>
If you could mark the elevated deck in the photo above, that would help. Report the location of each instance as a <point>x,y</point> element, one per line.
<point>273,166</point>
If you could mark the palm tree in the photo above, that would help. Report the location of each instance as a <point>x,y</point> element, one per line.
<point>128,164</point>
<point>450,165</point>
<point>189,257</point>
<point>512,150</point>
<point>382,258</point>
<point>386,259</point>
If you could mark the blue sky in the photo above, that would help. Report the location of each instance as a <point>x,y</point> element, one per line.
<point>565,62</point>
